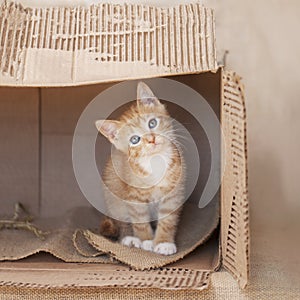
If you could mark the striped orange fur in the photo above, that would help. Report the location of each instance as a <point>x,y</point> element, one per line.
<point>132,182</point>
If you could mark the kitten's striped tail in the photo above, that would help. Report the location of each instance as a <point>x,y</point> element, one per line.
<point>109,228</point>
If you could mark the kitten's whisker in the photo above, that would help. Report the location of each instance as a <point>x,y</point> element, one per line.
<point>170,132</point>
<point>175,135</point>
<point>181,136</point>
<point>181,130</point>
<point>179,144</point>
<point>181,127</point>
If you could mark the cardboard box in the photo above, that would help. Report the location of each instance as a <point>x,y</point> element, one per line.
<point>54,61</point>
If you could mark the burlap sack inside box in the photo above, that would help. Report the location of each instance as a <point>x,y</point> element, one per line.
<point>83,45</point>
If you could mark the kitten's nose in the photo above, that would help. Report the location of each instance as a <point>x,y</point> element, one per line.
<point>150,138</point>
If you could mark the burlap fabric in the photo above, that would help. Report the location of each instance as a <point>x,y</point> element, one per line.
<point>72,239</point>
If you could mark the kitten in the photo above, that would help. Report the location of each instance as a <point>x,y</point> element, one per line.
<point>143,132</point>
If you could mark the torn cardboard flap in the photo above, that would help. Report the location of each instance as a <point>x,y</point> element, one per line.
<point>61,46</point>
<point>235,205</point>
<point>51,274</point>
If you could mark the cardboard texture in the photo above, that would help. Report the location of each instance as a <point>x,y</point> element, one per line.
<point>104,43</point>
<point>19,181</point>
<point>235,206</point>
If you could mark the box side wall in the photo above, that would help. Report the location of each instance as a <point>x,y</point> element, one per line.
<point>234,204</point>
<point>19,149</point>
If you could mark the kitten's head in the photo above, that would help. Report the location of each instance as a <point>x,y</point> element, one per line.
<point>142,131</point>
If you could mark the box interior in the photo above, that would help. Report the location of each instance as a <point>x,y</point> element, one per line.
<point>37,126</point>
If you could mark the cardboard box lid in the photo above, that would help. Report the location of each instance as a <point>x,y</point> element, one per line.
<point>61,46</point>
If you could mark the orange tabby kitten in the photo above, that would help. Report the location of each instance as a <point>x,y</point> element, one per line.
<point>149,189</point>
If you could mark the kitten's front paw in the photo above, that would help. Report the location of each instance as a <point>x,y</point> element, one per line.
<point>131,241</point>
<point>165,248</point>
<point>148,245</point>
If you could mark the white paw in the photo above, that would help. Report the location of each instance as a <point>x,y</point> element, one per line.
<point>131,241</point>
<point>165,248</point>
<point>147,245</point>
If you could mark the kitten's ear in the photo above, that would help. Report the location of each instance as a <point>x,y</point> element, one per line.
<point>145,96</point>
<point>108,128</point>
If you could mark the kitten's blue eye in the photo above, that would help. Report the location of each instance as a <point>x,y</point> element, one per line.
<point>152,123</point>
<point>135,139</point>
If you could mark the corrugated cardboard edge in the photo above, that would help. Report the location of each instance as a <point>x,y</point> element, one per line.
<point>110,276</point>
<point>63,46</point>
<point>235,236</point>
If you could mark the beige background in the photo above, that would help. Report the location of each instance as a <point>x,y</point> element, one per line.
<point>263,40</point>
